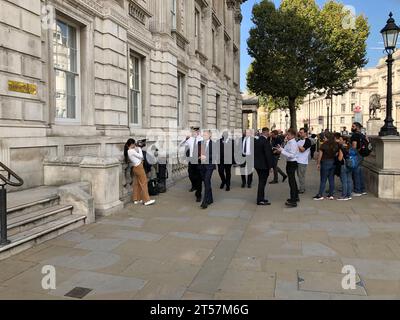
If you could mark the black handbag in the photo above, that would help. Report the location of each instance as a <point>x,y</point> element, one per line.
<point>153,187</point>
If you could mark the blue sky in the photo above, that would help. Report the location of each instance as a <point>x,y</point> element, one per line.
<point>376,11</point>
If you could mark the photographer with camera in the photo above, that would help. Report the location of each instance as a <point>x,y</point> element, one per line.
<point>133,151</point>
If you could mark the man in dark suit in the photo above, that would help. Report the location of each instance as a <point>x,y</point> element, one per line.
<point>263,163</point>
<point>207,167</point>
<point>277,140</point>
<point>225,160</point>
<point>192,154</point>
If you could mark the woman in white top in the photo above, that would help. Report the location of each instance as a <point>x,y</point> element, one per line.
<point>140,189</point>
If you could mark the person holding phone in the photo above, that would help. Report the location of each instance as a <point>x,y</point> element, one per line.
<point>291,152</point>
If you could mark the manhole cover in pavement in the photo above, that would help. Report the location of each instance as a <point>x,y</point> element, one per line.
<point>78,293</point>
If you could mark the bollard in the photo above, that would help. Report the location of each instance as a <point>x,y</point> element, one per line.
<point>3,216</point>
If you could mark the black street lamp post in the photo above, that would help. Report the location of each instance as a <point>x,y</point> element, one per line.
<point>327,112</point>
<point>390,34</point>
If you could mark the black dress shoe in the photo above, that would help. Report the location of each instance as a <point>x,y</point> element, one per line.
<point>204,206</point>
<point>261,203</point>
<point>274,182</point>
<point>228,188</point>
<point>284,179</point>
<point>267,202</point>
<point>222,186</point>
<point>243,186</point>
<point>192,190</point>
<point>249,186</point>
<point>198,200</point>
<point>290,200</point>
<point>291,204</point>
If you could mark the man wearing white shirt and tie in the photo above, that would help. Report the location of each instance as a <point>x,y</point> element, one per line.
<point>207,167</point>
<point>246,168</point>
<point>291,152</point>
<point>226,160</point>
<point>192,153</point>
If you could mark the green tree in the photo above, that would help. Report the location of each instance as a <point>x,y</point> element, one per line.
<point>299,48</point>
<point>344,48</point>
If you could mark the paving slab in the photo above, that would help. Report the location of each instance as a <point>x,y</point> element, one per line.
<point>327,282</point>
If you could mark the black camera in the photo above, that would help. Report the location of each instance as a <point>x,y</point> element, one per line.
<point>141,143</point>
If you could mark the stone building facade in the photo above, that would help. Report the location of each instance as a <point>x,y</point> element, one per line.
<point>352,106</point>
<point>79,77</point>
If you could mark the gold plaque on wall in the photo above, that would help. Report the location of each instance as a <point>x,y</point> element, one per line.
<point>22,87</point>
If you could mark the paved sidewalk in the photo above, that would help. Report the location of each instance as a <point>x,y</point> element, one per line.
<point>233,250</point>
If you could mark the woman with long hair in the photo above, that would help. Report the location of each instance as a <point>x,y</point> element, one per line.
<point>326,165</point>
<point>134,154</point>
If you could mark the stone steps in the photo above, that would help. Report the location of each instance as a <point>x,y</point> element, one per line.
<point>37,235</point>
<point>27,221</point>
<point>35,216</point>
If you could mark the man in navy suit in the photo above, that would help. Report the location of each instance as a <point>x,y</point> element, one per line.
<point>226,160</point>
<point>207,167</point>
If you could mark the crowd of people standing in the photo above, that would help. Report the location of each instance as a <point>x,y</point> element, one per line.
<point>338,154</point>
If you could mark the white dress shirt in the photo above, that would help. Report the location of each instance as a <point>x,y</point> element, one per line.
<point>303,157</point>
<point>247,146</point>
<point>191,142</point>
<point>291,150</point>
<point>136,156</point>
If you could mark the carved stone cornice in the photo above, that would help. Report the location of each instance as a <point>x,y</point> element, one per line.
<point>139,13</point>
<point>181,40</point>
<point>231,4</point>
<point>89,6</point>
<point>202,57</point>
<point>202,3</point>
<point>111,12</point>
<point>227,36</point>
<point>238,16</point>
<point>93,4</point>
<point>216,69</point>
<point>216,20</point>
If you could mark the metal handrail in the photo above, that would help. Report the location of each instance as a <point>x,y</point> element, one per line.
<point>3,200</point>
<point>7,181</point>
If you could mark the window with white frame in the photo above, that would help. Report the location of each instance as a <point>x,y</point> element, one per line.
<point>66,68</point>
<point>135,89</point>
<point>173,15</point>
<point>179,107</point>
<point>343,107</point>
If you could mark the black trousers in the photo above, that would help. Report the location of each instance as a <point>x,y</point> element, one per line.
<point>195,179</point>
<point>291,168</point>
<point>225,173</point>
<point>206,175</point>
<point>247,179</point>
<point>313,149</point>
<point>262,182</point>
<point>278,170</point>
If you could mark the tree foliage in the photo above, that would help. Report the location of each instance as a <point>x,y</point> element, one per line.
<point>299,48</point>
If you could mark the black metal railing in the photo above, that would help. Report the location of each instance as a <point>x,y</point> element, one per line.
<point>4,181</point>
